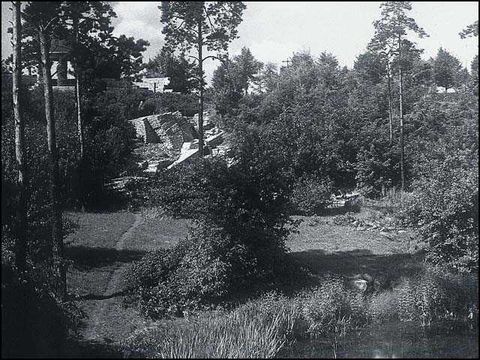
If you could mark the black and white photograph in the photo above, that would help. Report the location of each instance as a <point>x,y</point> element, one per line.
<point>240,179</point>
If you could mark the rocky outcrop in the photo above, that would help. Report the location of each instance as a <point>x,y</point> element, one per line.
<point>170,129</point>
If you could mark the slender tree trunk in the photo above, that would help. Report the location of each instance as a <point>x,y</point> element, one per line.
<point>390,105</point>
<point>200,78</point>
<point>402,145</point>
<point>21,239</point>
<point>57,230</point>
<point>79,113</point>
<point>78,94</point>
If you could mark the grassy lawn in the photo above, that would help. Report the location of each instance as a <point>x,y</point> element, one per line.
<point>325,247</point>
<point>157,231</point>
<point>99,230</point>
<point>95,262</point>
<point>320,244</point>
<point>91,249</point>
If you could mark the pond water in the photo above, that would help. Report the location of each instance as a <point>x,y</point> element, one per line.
<point>393,340</point>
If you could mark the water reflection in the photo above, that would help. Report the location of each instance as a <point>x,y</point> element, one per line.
<point>394,340</point>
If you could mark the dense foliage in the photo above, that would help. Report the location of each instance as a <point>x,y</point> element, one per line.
<point>242,213</point>
<point>49,322</point>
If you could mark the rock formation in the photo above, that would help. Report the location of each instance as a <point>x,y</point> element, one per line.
<point>170,129</point>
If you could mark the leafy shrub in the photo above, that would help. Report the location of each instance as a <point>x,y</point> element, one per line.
<point>49,323</point>
<point>201,270</point>
<point>375,170</point>
<point>444,208</point>
<point>311,194</point>
<point>431,296</point>
<point>187,104</point>
<point>383,306</point>
<point>333,309</point>
<point>242,211</point>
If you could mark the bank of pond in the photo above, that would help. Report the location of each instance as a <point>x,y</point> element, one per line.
<point>432,314</point>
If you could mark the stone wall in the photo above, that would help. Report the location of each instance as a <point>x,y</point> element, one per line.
<point>171,129</point>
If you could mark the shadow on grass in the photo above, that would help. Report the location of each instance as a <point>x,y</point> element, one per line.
<point>83,349</point>
<point>341,210</point>
<point>386,268</point>
<point>86,258</point>
<point>101,297</point>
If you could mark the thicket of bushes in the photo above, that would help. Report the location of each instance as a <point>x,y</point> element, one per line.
<point>444,208</point>
<point>108,142</point>
<point>187,104</point>
<point>242,213</point>
<point>263,326</point>
<point>49,322</point>
<point>311,194</point>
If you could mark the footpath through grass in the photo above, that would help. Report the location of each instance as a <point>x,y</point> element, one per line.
<point>99,251</point>
<point>326,245</point>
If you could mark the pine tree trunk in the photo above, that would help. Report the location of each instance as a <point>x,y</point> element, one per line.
<point>390,106</point>
<point>21,213</point>
<point>200,78</point>
<point>57,231</point>
<point>81,139</point>
<point>402,145</point>
<point>78,95</point>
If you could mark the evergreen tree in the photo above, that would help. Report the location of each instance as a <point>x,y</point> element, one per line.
<point>447,70</point>
<point>389,40</point>
<point>195,25</point>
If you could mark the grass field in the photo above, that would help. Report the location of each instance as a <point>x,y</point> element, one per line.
<point>98,262</point>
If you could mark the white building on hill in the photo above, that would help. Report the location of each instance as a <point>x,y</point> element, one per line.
<point>154,84</point>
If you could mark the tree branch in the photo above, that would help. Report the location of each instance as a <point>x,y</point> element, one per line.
<point>50,22</point>
<point>179,26</point>
<point>194,57</point>
<point>208,17</point>
<point>210,56</point>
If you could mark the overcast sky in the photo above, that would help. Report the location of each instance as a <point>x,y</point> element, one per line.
<point>274,30</point>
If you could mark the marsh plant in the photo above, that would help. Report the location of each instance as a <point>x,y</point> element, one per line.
<point>431,296</point>
<point>262,327</point>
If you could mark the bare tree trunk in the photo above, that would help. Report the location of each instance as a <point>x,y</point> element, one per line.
<point>78,95</point>
<point>390,105</point>
<point>402,145</point>
<point>21,239</point>
<point>57,228</point>
<point>200,78</point>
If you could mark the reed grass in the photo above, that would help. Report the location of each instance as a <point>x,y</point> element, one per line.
<point>261,328</point>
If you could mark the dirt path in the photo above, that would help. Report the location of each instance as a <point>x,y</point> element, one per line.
<point>99,326</point>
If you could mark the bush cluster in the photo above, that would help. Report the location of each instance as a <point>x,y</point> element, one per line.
<point>262,327</point>
<point>242,215</point>
<point>311,194</point>
<point>187,104</point>
<point>332,309</point>
<point>49,323</point>
<point>431,296</point>
<point>197,273</point>
<point>444,208</point>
